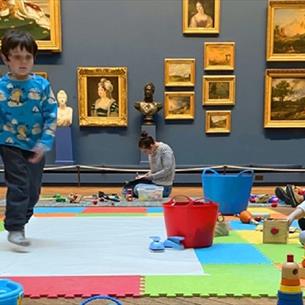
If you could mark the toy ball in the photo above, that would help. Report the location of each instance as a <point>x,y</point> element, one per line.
<point>252,198</point>
<point>94,201</point>
<point>302,237</point>
<point>274,204</point>
<point>273,199</point>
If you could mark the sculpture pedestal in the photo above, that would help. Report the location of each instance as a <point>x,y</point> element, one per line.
<point>63,145</point>
<point>151,130</point>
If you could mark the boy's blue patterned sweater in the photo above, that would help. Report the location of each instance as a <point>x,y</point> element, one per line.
<point>28,112</point>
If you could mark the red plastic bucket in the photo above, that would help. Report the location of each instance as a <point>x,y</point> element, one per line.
<point>195,220</point>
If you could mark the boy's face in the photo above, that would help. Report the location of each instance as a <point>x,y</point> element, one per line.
<point>20,62</point>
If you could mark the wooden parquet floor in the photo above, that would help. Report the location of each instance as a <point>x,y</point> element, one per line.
<point>190,191</point>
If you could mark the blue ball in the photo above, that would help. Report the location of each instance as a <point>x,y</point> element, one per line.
<point>302,238</point>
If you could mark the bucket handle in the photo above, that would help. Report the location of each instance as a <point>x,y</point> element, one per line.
<point>101,297</point>
<point>210,170</point>
<point>173,200</point>
<point>246,171</point>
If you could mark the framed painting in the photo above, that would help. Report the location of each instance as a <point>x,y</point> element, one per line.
<point>219,55</point>
<point>285,30</point>
<point>39,17</point>
<point>179,72</point>
<point>179,105</point>
<point>284,98</point>
<point>218,90</point>
<point>200,17</point>
<point>218,121</point>
<point>102,96</point>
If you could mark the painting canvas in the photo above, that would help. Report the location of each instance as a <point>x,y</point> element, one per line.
<point>102,96</point>
<point>285,98</point>
<point>219,55</point>
<point>218,90</point>
<point>286,31</point>
<point>179,72</point>
<point>39,17</point>
<point>201,16</point>
<point>179,105</point>
<point>218,121</point>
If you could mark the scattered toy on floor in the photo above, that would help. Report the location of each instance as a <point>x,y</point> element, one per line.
<point>246,217</point>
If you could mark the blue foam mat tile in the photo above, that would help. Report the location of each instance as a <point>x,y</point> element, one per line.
<point>231,254</point>
<point>154,210</point>
<point>43,210</point>
<point>238,225</point>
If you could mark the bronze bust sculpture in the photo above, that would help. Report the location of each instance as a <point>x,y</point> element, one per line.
<point>148,107</point>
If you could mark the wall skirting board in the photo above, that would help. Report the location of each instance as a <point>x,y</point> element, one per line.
<point>185,175</point>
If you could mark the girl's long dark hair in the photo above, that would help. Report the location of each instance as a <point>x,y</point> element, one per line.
<point>146,140</point>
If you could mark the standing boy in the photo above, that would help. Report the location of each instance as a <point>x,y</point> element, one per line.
<point>28,112</point>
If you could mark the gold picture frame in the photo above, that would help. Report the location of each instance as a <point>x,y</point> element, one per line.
<point>201,17</point>
<point>218,121</point>
<point>179,105</point>
<point>44,22</point>
<point>179,72</point>
<point>219,56</point>
<point>102,96</point>
<point>41,73</point>
<point>285,33</point>
<point>284,98</point>
<point>218,90</point>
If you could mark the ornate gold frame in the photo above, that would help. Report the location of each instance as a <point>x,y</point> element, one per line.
<point>167,79</point>
<point>270,75</point>
<point>207,100</point>
<point>183,116</point>
<point>83,74</point>
<point>200,30</point>
<point>211,129</point>
<point>41,73</point>
<point>272,6</point>
<point>54,44</point>
<point>207,52</point>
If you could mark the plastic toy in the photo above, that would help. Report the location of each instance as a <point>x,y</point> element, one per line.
<point>156,245</point>
<point>290,290</point>
<point>174,242</point>
<point>74,198</point>
<point>246,217</point>
<point>101,297</point>
<point>273,199</point>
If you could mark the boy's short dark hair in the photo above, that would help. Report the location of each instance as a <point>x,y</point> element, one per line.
<point>14,38</point>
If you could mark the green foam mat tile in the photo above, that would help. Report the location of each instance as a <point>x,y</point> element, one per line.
<point>277,253</point>
<point>253,280</point>
<point>1,226</point>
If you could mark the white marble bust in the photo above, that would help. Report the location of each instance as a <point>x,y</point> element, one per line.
<point>64,113</point>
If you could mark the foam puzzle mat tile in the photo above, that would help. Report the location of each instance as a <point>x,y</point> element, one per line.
<point>252,237</point>
<point>230,254</point>
<point>233,237</point>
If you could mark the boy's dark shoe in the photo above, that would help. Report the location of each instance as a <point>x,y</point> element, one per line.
<point>18,238</point>
<point>281,194</point>
<point>290,193</point>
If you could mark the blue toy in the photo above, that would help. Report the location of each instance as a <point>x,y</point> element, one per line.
<point>302,237</point>
<point>156,245</point>
<point>174,242</point>
<point>101,297</point>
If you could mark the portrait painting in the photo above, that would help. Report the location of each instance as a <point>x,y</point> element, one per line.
<point>218,90</point>
<point>39,17</point>
<point>219,55</point>
<point>284,98</point>
<point>179,105</point>
<point>218,121</point>
<point>286,31</point>
<point>201,16</point>
<point>102,96</point>
<point>179,72</point>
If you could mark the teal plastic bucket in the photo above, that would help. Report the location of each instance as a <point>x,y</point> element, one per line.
<point>230,191</point>
<point>11,293</point>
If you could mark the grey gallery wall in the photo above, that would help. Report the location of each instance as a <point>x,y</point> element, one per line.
<point>139,34</point>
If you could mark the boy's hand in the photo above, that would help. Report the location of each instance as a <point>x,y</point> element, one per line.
<point>38,153</point>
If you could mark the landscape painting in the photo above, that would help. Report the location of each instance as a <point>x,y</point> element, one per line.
<point>285,98</point>
<point>286,31</point>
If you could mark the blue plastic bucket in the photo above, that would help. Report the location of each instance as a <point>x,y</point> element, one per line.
<point>230,191</point>
<point>11,293</point>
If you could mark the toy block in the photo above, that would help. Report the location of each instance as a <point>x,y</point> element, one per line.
<point>275,231</point>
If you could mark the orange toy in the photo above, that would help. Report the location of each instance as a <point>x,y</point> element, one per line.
<point>246,217</point>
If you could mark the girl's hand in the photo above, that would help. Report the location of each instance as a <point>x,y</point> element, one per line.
<point>38,154</point>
